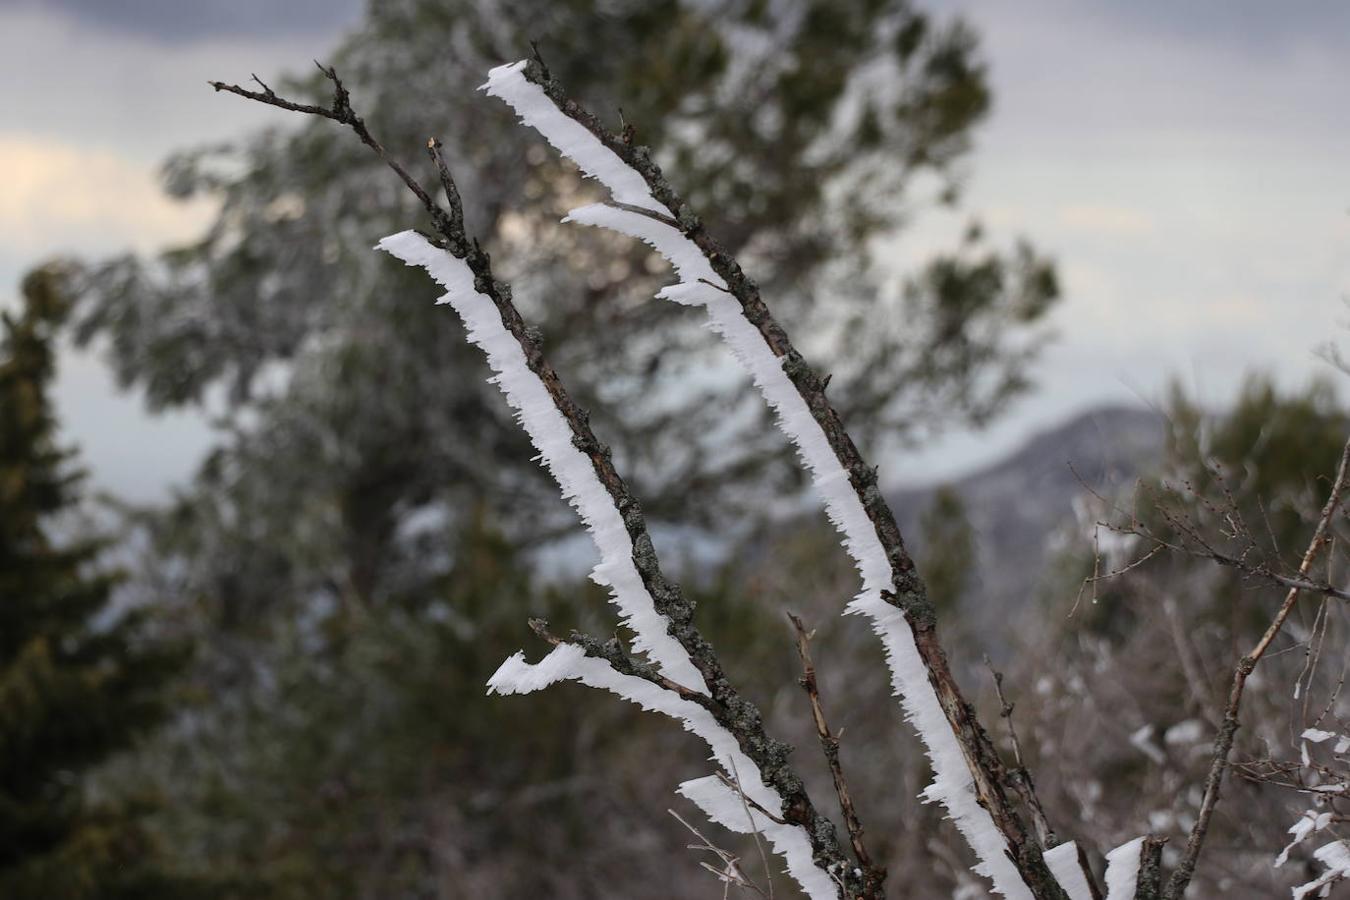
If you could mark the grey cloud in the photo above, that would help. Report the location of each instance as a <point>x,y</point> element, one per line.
<point>193,20</point>
<point>1250,23</point>
<point>1254,26</point>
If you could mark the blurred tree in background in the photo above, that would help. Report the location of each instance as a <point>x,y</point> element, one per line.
<point>810,132</point>
<point>948,560</point>
<point>80,679</point>
<point>1126,683</point>
<point>342,556</point>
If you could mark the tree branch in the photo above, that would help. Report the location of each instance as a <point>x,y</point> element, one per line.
<point>1148,882</point>
<point>614,653</point>
<point>342,112</point>
<point>829,745</point>
<point>1223,742</point>
<point>1020,778</point>
<point>734,712</point>
<point>908,592</point>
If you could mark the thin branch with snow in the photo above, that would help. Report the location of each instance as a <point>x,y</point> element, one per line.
<point>893,596</point>
<point>650,604</point>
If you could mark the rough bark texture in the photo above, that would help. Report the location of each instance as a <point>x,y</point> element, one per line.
<point>1148,885</point>
<point>909,593</point>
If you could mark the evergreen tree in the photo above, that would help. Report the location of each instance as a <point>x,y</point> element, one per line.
<point>78,680</point>
<point>1143,660</point>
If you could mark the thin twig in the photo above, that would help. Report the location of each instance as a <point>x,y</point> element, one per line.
<point>754,829</point>
<point>1223,742</point>
<point>734,786</point>
<point>342,112</point>
<point>1193,542</point>
<point>730,873</point>
<point>1196,682</point>
<point>447,183</point>
<point>1020,778</point>
<point>829,745</point>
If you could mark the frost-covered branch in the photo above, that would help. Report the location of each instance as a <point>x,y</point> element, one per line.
<point>652,605</point>
<point>966,763</point>
<point>613,652</point>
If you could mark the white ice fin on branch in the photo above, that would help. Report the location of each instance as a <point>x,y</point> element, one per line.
<point>569,662</point>
<point>1122,870</point>
<point>1336,858</point>
<point>952,784</point>
<point>1063,862</point>
<point>1309,823</point>
<point>552,437</point>
<point>570,137</point>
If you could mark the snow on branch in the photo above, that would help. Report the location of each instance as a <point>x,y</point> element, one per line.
<point>552,437</point>
<point>847,486</point>
<point>1122,870</point>
<point>1336,859</point>
<point>653,606</point>
<point>549,432</point>
<point>759,793</point>
<point>571,139</point>
<point>570,662</point>
<point>1070,870</point>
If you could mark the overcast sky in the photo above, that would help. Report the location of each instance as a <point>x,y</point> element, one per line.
<point>1186,163</point>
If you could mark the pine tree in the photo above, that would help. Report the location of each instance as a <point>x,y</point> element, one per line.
<point>78,681</point>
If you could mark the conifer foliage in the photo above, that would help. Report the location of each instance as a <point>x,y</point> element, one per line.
<point>78,680</point>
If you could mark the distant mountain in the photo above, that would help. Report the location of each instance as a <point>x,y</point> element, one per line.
<point>1016,506</point>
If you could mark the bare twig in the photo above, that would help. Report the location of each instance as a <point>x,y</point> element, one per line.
<point>341,111</point>
<point>1020,777</point>
<point>1223,742</point>
<point>754,829</point>
<point>1295,583</point>
<point>829,745</point>
<point>1098,575</point>
<point>1193,542</point>
<point>730,872</point>
<point>734,785</point>
<point>447,183</point>
<point>1196,682</point>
